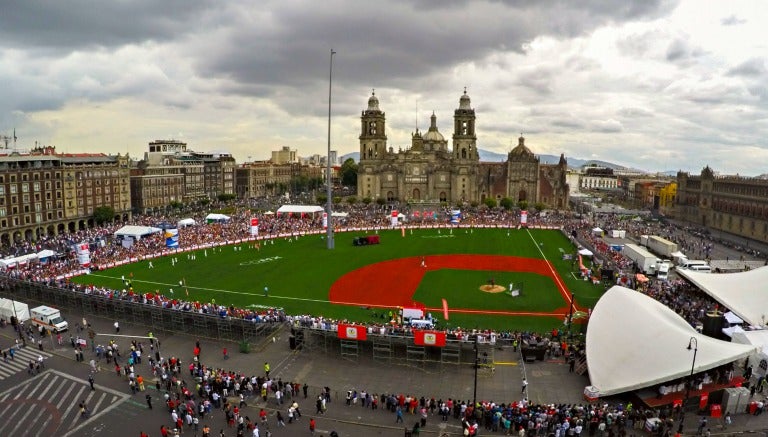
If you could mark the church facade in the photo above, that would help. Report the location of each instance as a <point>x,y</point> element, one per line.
<point>428,171</point>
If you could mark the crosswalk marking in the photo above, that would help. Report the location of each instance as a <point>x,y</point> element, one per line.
<point>20,362</point>
<point>47,404</point>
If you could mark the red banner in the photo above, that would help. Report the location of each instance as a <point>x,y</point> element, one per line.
<point>254,221</point>
<point>429,338</point>
<point>352,332</point>
<point>716,411</point>
<point>703,401</point>
<point>677,403</point>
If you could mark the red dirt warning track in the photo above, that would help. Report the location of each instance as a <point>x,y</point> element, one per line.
<point>392,283</point>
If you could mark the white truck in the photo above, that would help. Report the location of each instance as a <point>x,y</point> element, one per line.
<point>10,308</point>
<point>661,246</point>
<point>50,318</point>
<point>662,270</point>
<point>645,261</point>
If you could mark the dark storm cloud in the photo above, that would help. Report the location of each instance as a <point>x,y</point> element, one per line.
<point>681,50</point>
<point>380,44</point>
<point>73,24</point>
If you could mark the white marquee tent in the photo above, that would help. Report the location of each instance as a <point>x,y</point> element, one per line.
<point>299,209</point>
<point>183,223</point>
<point>744,293</point>
<point>647,345</point>
<point>136,232</point>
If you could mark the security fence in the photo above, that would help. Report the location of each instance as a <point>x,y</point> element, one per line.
<point>154,318</point>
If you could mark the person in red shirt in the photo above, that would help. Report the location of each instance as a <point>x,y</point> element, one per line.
<point>143,434</point>
<point>312,425</point>
<point>163,431</point>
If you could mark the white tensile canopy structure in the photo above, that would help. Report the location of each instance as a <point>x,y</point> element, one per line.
<point>585,252</point>
<point>183,223</point>
<point>136,232</point>
<point>299,209</point>
<point>744,293</point>
<point>634,341</point>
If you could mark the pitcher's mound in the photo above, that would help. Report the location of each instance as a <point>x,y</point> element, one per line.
<point>492,288</point>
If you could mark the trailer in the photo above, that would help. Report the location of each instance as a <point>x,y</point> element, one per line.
<point>661,246</point>
<point>645,261</point>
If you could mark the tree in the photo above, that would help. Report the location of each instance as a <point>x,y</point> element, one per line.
<point>349,173</point>
<point>321,199</point>
<point>490,202</point>
<point>224,197</point>
<point>380,201</point>
<point>506,203</point>
<point>540,206</point>
<point>103,214</point>
<point>367,200</point>
<point>336,200</point>
<point>351,200</point>
<point>523,204</point>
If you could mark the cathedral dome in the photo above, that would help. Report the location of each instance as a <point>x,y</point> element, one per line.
<point>433,134</point>
<point>373,102</point>
<point>521,151</point>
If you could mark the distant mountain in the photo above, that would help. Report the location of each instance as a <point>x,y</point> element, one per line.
<point>488,156</point>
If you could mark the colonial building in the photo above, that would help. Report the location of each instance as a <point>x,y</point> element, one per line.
<point>430,171</point>
<point>262,178</point>
<point>46,193</point>
<point>218,173</point>
<point>734,204</point>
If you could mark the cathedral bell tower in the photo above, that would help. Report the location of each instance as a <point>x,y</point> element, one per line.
<point>373,140</point>
<point>464,137</point>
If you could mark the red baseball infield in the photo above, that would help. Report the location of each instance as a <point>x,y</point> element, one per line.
<point>392,283</point>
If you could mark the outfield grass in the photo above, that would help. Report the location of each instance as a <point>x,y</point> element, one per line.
<point>299,274</point>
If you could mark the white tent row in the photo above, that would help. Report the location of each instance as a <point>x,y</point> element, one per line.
<point>216,218</point>
<point>585,252</point>
<point>136,232</point>
<point>647,345</point>
<point>41,256</point>
<point>744,293</point>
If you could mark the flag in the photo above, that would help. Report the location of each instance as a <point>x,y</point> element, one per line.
<point>445,309</point>
<point>429,338</point>
<point>352,332</point>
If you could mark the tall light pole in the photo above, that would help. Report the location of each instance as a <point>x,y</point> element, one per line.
<point>329,218</point>
<point>692,344</point>
<point>477,364</point>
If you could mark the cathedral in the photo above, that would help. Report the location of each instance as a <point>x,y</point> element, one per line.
<point>430,172</point>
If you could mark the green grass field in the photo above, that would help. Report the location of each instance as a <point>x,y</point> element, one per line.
<point>299,274</point>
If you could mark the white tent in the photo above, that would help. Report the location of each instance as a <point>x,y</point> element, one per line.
<point>758,339</point>
<point>183,223</point>
<point>744,293</point>
<point>732,318</point>
<point>633,349</point>
<point>340,214</point>
<point>585,252</point>
<point>731,330</point>
<point>597,231</point>
<point>299,209</point>
<point>136,232</point>
<point>216,218</point>
<point>269,213</point>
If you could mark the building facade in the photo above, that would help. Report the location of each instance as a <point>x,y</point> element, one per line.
<point>430,171</point>
<point>734,204</point>
<point>46,193</point>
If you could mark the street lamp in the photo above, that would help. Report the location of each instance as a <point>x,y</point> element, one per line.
<point>692,344</point>
<point>329,218</point>
<point>570,317</point>
<point>477,364</point>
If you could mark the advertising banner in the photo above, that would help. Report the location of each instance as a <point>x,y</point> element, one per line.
<point>172,238</point>
<point>524,218</point>
<point>394,218</point>
<point>83,254</point>
<point>352,332</point>
<point>429,338</point>
<point>254,227</point>
<point>325,220</point>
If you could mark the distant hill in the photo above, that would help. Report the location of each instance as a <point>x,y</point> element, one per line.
<point>488,156</point>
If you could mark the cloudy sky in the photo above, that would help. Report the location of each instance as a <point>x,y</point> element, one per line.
<point>652,84</point>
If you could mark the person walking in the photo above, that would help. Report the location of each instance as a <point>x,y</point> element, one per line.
<point>117,327</point>
<point>148,397</point>
<point>90,381</point>
<point>312,426</point>
<point>525,386</point>
<point>224,352</point>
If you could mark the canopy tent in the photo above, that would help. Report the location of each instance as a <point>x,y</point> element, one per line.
<point>757,339</point>
<point>340,214</point>
<point>44,255</point>
<point>597,231</point>
<point>585,252</point>
<point>269,213</point>
<point>216,218</point>
<point>630,350</point>
<point>744,293</point>
<point>183,223</point>
<point>299,209</point>
<point>136,232</point>
<point>731,330</point>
